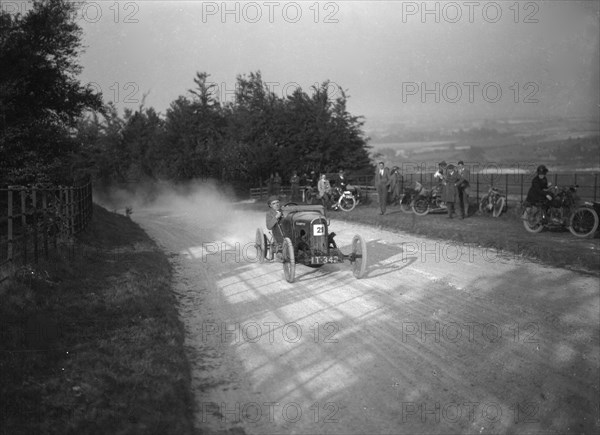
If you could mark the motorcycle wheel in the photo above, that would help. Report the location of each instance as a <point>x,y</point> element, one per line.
<point>347,204</point>
<point>583,222</point>
<point>533,220</point>
<point>483,205</point>
<point>289,262</point>
<point>420,207</point>
<point>261,246</point>
<point>308,197</point>
<point>359,249</point>
<point>406,207</point>
<point>498,206</point>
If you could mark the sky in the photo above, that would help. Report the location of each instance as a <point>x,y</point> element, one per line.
<point>405,62</point>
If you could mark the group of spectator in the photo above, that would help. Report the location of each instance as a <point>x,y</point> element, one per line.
<point>321,185</point>
<point>452,186</point>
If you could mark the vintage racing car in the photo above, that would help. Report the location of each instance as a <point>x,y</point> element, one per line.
<point>307,240</point>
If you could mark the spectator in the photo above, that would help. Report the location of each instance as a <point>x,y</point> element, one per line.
<point>395,182</point>
<point>463,189</point>
<point>295,184</point>
<point>324,190</point>
<point>450,193</point>
<point>382,182</point>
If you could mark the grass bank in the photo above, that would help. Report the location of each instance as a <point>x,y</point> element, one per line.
<point>91,341</point>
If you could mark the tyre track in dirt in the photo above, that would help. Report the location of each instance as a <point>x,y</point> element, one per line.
<point>382,354</point>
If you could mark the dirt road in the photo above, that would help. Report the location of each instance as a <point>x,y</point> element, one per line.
<point>437,338</point>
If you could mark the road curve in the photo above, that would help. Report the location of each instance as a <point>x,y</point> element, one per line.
<point>436,338</point>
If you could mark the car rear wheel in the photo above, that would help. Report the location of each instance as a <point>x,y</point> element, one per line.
<point>261,245</point>
<point>289,261</point>
<point>583,222</point>
<point>359,250</point>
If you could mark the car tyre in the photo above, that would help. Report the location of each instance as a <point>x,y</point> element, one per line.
<point>261,246</point>
<point>289,261</point>
<point>359,251</point>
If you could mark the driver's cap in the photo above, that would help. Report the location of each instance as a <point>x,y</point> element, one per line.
<point>272,199</point>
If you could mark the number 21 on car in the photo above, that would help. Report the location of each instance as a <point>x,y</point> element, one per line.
<point>318,230</point>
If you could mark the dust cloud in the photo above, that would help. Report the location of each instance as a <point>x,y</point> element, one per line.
<point>210,204</point>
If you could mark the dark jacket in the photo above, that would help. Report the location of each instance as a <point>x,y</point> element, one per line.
<point>537,191</point>
<point>450,192</point>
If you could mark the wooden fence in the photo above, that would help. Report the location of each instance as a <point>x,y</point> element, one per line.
<point>33,220</point>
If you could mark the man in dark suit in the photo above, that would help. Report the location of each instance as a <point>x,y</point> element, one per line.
<point>382,183</point>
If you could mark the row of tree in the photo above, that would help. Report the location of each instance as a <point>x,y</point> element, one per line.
<point>52,128</point>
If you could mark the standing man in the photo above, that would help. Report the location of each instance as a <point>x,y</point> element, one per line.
<point>324,190</point>
<point>450,193</point>
<point>382,182</point>
<point>295,183</point>
<point>463,189</point>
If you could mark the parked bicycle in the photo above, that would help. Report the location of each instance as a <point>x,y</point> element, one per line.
<point>493,202</point>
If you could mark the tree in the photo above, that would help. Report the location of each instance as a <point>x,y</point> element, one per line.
<point>41,99</point>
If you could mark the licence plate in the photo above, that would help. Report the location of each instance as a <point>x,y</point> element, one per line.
<point>323,259</point>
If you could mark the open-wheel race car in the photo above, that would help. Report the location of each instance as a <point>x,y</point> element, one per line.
<point>307,240</point>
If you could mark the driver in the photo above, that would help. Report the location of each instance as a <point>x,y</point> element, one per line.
<point>273,217</point>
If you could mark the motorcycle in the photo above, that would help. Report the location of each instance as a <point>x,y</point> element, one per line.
<point>494,202</point>
<point>428,201</point>
<point>345,199</point>
<point>562,211</point>
<point>408,197</point>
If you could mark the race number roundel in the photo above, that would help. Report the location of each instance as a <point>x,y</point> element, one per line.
<point>318,230</point>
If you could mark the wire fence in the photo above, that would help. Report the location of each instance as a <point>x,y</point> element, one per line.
<point>35,220</point>
<point>515,186</point>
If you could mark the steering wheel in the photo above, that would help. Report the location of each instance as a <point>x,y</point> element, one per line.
<point>289,203</point>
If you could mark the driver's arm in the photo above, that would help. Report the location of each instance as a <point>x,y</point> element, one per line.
<point>273,218</point>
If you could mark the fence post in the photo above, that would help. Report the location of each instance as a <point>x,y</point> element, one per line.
<point>506,187</point>
<point>477,184</point>
<point>10,224</point>
<point>34,223</point>
<point>45,225</point>
<point>24,223</point>
<point>522,188</point>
